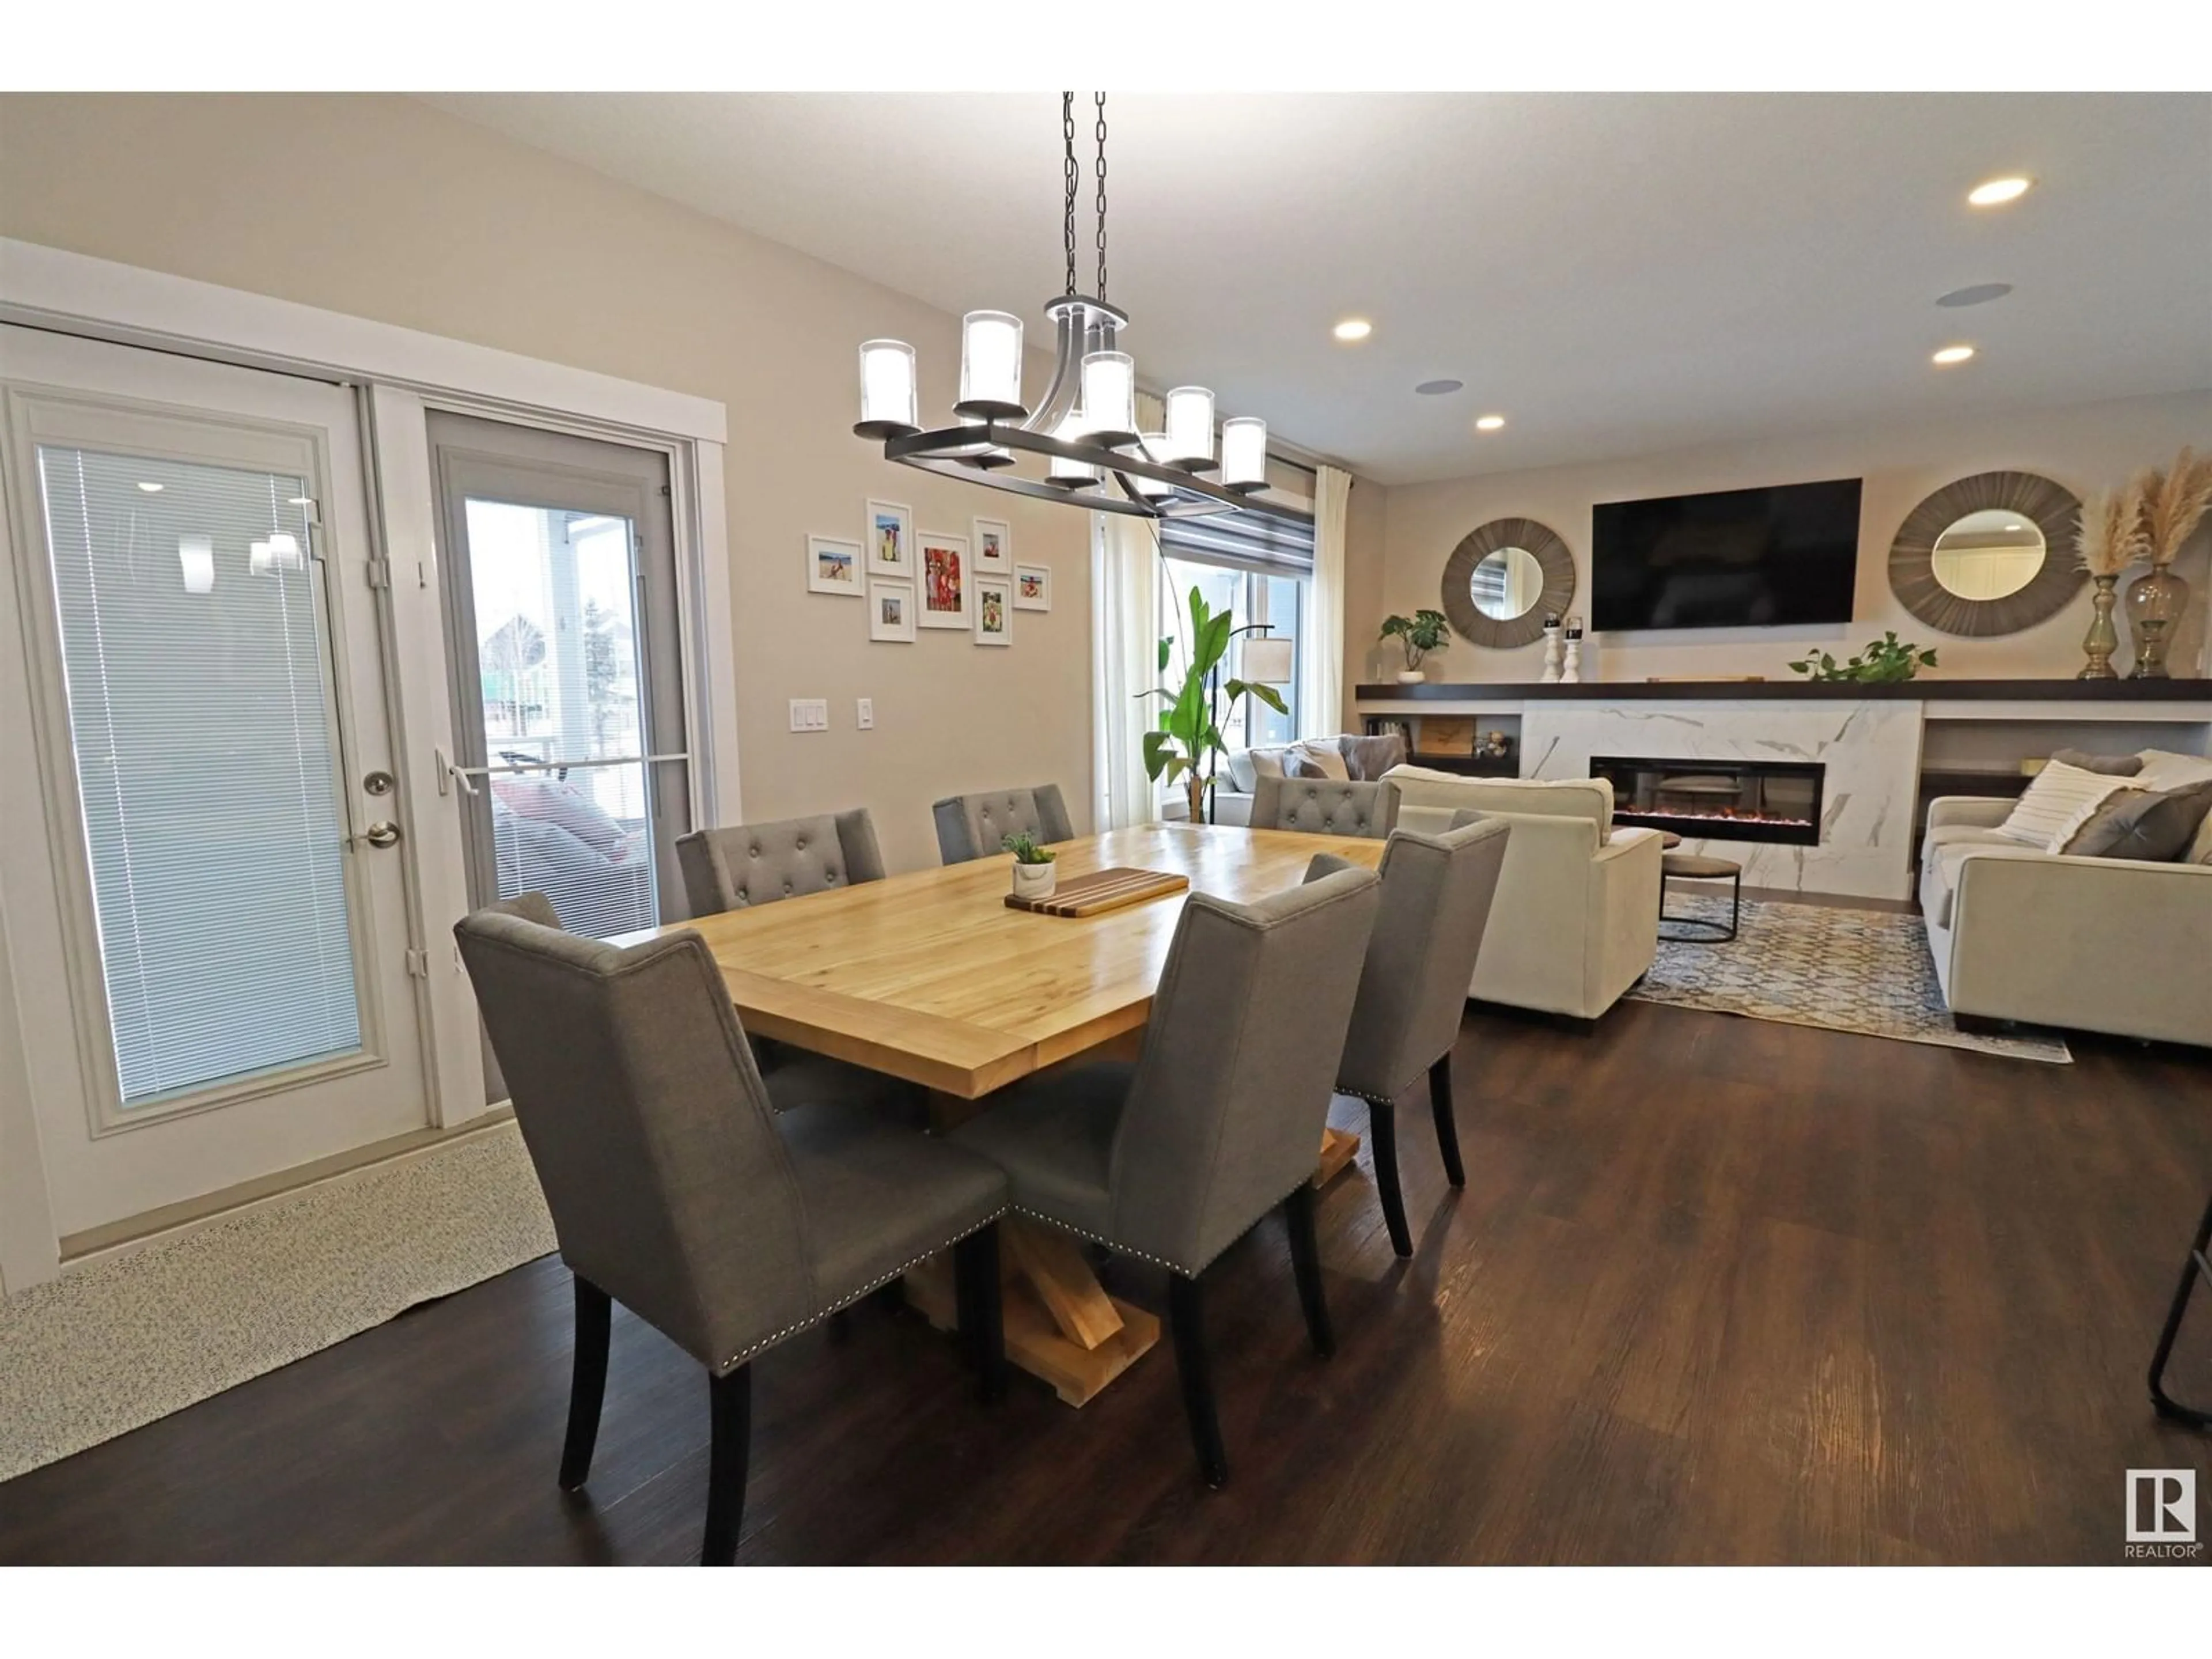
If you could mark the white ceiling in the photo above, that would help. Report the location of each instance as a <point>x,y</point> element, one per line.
<point>1615,273</point>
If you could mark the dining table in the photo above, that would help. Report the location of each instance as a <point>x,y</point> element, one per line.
<point>930,977</point>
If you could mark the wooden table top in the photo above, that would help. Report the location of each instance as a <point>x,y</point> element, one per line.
<point>930,977</point>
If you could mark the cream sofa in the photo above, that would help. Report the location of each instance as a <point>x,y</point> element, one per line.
<point>2091,943</point>
<point>1575,922</point>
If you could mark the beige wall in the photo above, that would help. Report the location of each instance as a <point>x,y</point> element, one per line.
<point>2085,447</point>
<point>386,209</point>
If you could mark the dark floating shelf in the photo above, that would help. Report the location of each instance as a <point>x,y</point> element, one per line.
<point>1930,691</point>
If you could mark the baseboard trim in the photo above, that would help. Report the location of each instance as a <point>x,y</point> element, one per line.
<point>174,1220</point>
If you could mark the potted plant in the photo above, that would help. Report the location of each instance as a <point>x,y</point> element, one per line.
<point>1421,633</point>
<point>1884,662</point>
<point>1189,730</point>
<point>1034,873</point>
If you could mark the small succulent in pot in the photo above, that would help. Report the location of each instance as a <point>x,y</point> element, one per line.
<point>1035,872</point>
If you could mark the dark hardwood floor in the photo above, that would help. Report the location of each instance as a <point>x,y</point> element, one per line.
<point>1717,1291</point>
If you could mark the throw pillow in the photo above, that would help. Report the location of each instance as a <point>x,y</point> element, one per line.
<point>2164,769</point>
<point>1368,758</point>
<point>2112,766</point>
<point>1297,764</point>
<point>1324,753</point>
<point>2143,824</point>
<point>2059,800</point>
<point>2200,850</point>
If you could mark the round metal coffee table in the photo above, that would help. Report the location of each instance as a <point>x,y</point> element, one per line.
<point>1695,866</point>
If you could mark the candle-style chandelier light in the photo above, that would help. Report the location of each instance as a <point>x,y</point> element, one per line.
<point>1084,430</point>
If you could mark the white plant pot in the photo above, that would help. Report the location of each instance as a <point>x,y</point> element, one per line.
<point>1411,677</point>
<point>1035,881</point>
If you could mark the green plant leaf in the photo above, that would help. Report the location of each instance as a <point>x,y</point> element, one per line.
<point>1167,651</point>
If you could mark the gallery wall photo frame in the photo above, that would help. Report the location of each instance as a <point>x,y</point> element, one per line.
<point>947,578</point>
<point>994,610</point>
<point>890,540</point>
<point>833,566</point>
<point>1032,587</point>
<point>891,610</point>
<point>994,548</point>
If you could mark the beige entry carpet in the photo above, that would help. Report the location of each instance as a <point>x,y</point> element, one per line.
<point>1867,971</point>
<point>130,1338</point>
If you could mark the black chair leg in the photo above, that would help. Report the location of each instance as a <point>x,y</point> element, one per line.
<point>1305,1263</point>
<point>1383,1130</point>
<point>587,1386</point>
<point>1440,1103</point>
<point>2198,1263</point>
<point>729,1406</point>
<point>976,1290</point>
<point>1186,1320</point>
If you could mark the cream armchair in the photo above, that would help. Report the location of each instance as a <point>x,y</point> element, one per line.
<point>1577,917</point>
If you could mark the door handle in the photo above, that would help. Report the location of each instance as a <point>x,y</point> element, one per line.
<point>384,833</point>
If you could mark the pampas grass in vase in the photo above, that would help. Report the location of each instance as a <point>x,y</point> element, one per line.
<point>2170,506</point>
<point>2112,536</point>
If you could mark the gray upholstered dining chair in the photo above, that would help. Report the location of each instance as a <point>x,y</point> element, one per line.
<point>1437,891</point>
<point>1325,806</point>
<point>974,826</point>
<point>743,865</point>
<point>1175,1156</point>
<point>677,1191</point>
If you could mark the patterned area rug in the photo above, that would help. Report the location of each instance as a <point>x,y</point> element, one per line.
<point>1867,971</point>
<point>130,1338</point>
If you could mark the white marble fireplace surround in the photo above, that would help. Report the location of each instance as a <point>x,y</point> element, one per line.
<point>1871,751</point>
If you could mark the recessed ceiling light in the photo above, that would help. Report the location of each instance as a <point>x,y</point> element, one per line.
<point>1353,328</point>
<point>1980,294</point>
<point>151,489</point>
<point>1991,192</point>
<point>1957,354</point>
<point>1438,388</point>
<point>1490,423</point>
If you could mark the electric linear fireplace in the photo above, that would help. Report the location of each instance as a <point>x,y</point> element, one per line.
<point>1773,801</point>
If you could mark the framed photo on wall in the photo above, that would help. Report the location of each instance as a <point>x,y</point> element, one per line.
<point>948,581</point>
<point>1032,587</point>
<point>994,548</point>
<point>994,610</point>
<point>833,566</point>
<point>890,540</point>
<point>891,610</point>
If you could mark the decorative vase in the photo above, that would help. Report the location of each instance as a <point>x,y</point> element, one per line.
<point>1035,881</point>
<point>2102,639</point>
<point>2155,602</point>
<point>1411,677</point>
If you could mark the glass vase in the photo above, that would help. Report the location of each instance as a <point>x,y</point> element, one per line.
<point>2155,604</point>
<point>2102,639</point>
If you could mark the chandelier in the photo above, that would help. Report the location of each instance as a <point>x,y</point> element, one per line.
<point>1083,432</point>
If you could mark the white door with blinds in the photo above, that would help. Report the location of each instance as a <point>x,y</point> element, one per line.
<point>193,589</point>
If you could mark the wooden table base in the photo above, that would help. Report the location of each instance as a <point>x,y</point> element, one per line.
<point>1338,1148</point>
<point>1061,1324</point>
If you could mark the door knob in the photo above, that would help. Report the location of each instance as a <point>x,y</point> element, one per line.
<point>383,833</point>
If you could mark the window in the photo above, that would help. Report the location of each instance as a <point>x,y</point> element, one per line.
<point>1256,565</point>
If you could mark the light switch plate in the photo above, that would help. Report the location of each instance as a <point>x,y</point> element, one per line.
<point>865,712</point>
<point>809,715</point>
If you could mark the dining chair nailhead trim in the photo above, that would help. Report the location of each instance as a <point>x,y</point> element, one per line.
<point>1131,1249</point>
<point>873,1285</point>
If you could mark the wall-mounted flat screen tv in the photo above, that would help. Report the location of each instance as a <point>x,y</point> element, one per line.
<point>1731,558</point>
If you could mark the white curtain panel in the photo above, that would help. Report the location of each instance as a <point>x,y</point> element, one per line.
<point>1125,642</point>
<point>1320,671</point>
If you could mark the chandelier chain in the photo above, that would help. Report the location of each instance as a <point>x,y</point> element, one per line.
<point>1101,99</point>
<point>1073,177</point>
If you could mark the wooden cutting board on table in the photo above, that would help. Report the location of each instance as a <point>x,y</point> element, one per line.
<point>1102,890</point>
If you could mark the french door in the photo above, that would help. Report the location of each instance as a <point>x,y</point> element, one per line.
<point>213,850</point>
<point>562,640</point>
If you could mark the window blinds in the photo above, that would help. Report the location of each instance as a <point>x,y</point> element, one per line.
<point>1242,541</point>
<point>203,733</point>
